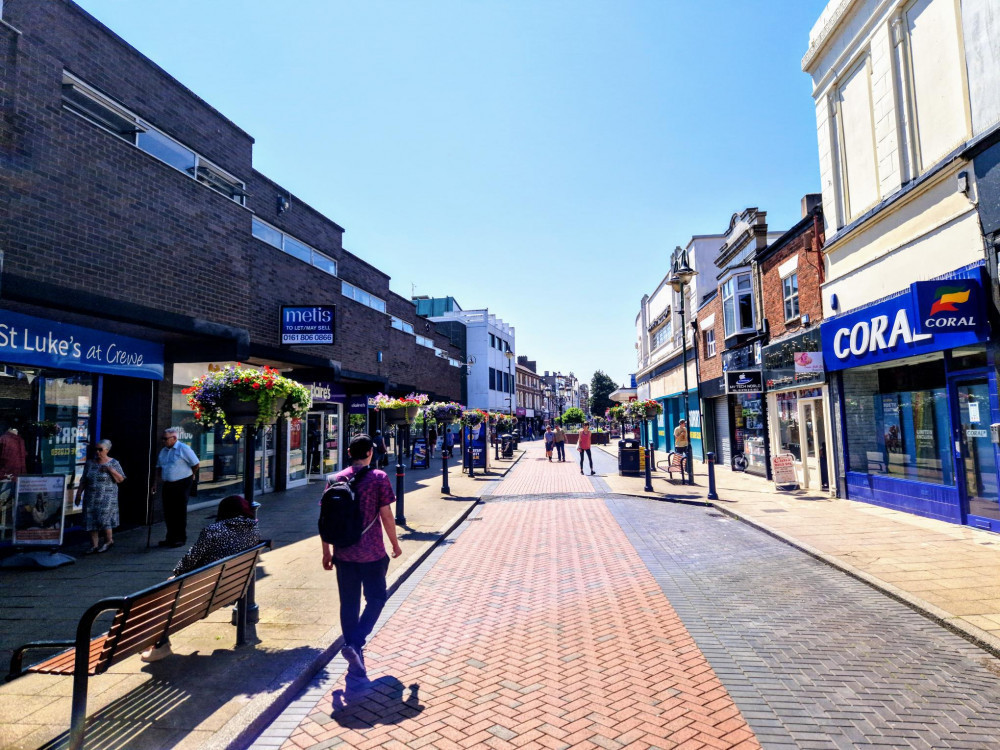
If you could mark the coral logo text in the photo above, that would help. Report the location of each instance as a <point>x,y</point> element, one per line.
<point>946,300</point>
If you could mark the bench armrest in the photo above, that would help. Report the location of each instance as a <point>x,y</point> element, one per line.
<point>17,659</point>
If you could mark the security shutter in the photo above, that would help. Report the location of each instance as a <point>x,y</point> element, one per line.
<point>722,441</point>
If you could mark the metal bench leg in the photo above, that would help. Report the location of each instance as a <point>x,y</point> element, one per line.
<point>241,621</point>
<point>78,715</point>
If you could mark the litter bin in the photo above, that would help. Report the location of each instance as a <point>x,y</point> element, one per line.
<point>507,445</point>
<point>628,458</point>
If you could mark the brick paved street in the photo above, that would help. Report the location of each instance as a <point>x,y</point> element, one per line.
<point>581,619</point>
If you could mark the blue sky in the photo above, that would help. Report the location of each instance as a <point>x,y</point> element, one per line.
<point>537,157</point>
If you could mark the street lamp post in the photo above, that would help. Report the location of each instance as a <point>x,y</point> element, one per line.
<point>681,276</point>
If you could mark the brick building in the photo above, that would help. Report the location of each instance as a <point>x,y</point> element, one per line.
<point>132,220</point>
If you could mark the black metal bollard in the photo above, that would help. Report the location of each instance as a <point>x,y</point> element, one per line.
<point>472,469</point>
<point>445,489</point>
<point>712,494</point>
<point>400,492</point>
<point>649,460</point>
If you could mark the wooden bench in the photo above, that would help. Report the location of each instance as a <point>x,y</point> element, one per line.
<point>141,620</point>
<point>676,462</point>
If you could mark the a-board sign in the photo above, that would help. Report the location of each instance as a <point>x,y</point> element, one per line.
<point>419,460</point>
<point>475,437</point>
<point>39,508</point>
<point>783,469</point>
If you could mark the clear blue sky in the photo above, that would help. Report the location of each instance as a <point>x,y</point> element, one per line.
<point>537,157</point>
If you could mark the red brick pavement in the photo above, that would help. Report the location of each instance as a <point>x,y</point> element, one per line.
<point>535,475</point>
<point>539,628</point>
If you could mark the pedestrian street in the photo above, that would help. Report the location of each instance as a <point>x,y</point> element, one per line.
<point>576,619</point>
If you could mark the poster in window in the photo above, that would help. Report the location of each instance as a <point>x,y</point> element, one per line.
<point>39,507</point>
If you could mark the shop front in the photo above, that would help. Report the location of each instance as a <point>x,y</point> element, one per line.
<point>918,397</point>
<point>798,407</point>
<point>323,433</point>
<point>667,387</point>
<point>62,388</point>
<point>746,413</point>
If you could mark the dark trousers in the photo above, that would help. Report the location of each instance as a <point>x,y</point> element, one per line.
<point>561,450</point>
<point>352,577</point>
<point>175,508</point>
<point>589,457</point>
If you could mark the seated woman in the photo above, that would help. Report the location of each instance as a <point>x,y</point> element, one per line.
<point>234,530</point>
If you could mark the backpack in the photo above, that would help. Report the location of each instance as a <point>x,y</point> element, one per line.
<point>340,520</point>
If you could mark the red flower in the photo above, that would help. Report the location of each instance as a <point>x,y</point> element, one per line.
<point>256,385</point>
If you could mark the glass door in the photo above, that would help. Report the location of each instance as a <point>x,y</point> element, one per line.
<point>331,442</point>
<point>977,454</point>
<point>297,452</point>
<point>814,454</point>
<point>264,460</point>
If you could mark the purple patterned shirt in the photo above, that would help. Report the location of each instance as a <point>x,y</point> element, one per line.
<point>373,492</point>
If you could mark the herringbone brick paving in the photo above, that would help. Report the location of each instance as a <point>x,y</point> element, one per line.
<point>534,475</point>
<point>540,628</point>
<point>812,657</point>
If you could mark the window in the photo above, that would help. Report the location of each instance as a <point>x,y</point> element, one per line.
<point>935,77</point>
<point>788,424</point>
<point>295,248</point>
<point>82,100</point>
<point>790,292</point>
<point>737,305</point>
<point>897,422</point>
<point>493,379</point>
<point>424,341</point>
<point>662,335</point>
<point>855,143</point>
<point>401,325</point>
<point>360,295</point>
<point>493,341</point>
<point>709,337</point>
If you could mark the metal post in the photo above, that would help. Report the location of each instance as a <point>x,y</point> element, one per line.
<point>649,470</point>
<point>445,489</point>
<point>400,488</point>
<point>468,448</point>
<point>496,440</point>
<point>252,611</point>
<point>712,494</point>
<point>687,421</point>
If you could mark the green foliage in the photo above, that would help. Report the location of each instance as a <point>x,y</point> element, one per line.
<point>574,415</point>
<point>601,388</point>
<point>357,421</point>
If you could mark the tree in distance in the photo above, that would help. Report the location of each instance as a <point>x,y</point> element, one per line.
<point>601,388</point>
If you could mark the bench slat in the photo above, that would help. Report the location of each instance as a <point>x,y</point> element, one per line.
<point>62,663</point>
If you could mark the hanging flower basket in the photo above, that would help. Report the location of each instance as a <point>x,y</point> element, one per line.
<point>400,410</point>
<point>473,417</point>
<point>400,416</point>
<point>239,396</point>
<point>444,411</point>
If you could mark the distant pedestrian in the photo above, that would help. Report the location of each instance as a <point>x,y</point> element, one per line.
<point>560,440</point>
<point>176,467</point>
<point>449,441</point>
<point>432,438</point>
<point>550,439</point>
<point>531,432</point>
<point>584,447</point>
<point>682,441</point>
<point>99,490</point>
<point>363,565</point>
<point>381,450</point>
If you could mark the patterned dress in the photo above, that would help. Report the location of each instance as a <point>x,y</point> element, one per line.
<point>100,496</point>
<point>218,540</point>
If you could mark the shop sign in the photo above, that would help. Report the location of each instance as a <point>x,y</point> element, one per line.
<point>358,405</point>
<point>325,393</point>
<point>520,411</point>
<point>808,362</point>
<point>952,305</point>
<point>313,324</point>
<point>884,331</point>
<point>28,340</point>
<point>39,510</point>
<point>783,469</point>
<point>744,381</point>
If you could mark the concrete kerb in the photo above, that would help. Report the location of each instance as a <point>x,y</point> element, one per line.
<point>243,728</point>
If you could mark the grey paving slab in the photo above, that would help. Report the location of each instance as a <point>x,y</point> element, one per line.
<point>813,657</point>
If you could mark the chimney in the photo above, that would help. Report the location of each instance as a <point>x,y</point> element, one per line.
<point>809,203</point>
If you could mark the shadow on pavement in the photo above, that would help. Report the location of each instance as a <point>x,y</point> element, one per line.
<point>184,691</point>
<point>366,704</point>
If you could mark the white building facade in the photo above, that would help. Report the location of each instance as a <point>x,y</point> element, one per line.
<point>903,90</point>
<point>491,373</point>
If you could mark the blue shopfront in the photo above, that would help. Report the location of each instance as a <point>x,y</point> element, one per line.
<point>62,387</point>
<point>917,395</point>
<point>673,412</point>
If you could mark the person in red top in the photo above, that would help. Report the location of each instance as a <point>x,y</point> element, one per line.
<point>363,565</point>
<point>583,445</point>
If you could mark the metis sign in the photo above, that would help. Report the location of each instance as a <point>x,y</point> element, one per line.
<point>308,325</point>
<point>953,305</point>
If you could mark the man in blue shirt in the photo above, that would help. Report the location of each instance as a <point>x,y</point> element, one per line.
<point>176,468</point>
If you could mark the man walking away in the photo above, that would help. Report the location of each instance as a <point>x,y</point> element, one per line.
<point>550,438</point>
<point>584,447</point>
<point>560,440</point>
<point>363,565</point>
<point>682,443</point>
<point>176,468</point>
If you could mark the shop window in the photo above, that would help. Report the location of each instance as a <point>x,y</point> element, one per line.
<point>221,470</point>
<point>790,293</point>
<point>709,337</point>
<point>737,305</point>
<point>788,424</point>
<point>897,422</point>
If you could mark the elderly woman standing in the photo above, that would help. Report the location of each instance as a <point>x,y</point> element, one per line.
<point>99,488</point>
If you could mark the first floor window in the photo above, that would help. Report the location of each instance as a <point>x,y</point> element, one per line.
<point>790,292</point>
<point>493,379</point>
<point>709,337</point>
<point>737,305</point>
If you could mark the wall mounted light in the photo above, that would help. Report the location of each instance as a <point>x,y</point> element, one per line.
<point>283,204</point>
<point>963,183</point>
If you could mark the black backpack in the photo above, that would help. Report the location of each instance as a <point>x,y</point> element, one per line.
<point>340,520</point>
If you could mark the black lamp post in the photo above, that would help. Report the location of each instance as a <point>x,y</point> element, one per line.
<point>681,276</point>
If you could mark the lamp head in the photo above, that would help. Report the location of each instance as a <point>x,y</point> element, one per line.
<point>509,355</point>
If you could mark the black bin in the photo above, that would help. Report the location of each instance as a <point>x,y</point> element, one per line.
<point>507,445</point>
<point>628,458</point>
